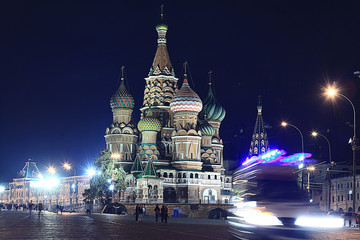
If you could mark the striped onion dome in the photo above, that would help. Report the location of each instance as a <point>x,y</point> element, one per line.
<point>186,99</point>
<point>206,129</point>
<point>121,98</point>
<point>149,124</point>
<point>212,108</point>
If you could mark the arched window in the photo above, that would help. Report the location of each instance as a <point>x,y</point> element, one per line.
<point>196,175</point>
<point>209,177</point>
<point>171,175</point>
<point>184,175</point>
<point>179,175</point>
<point>215,177</point>
<point>165,174</point>
<point>191,175</point>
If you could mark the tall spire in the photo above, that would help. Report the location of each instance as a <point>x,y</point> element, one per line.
<point>137,167</point>
<point>259,142</point>
<point>161,64</point>
<point>149,170</point>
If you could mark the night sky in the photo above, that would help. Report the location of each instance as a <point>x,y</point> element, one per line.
<point>61,60</point>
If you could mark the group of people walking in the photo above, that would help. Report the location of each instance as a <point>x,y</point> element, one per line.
<point>140,211</point>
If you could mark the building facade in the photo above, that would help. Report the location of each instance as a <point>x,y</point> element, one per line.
<point>33,187</point>
<point>175,152</point>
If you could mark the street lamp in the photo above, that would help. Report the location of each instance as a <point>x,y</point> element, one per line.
<point>309,169</point>
<point>285,124</point>
<point>51,170</point>
<point>68,167</point>
<point>332,92</point>
<point>315,134</point>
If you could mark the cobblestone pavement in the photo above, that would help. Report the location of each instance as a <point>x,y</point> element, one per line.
<point>20,225</point>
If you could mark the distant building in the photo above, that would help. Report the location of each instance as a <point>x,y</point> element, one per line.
<point>33,187</point>
<point>340,195</point>
<point>175,152</point>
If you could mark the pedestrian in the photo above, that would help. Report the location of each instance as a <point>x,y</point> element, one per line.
<point>57,209</point>
<point>137,211</point>
<point>30,206</point>
<point>164,214</point>
<point>140,213</point>
<point>88,208</point>
<point>143,210</point>
<point>40,208</point>
<point>61,209</point>
<point>157,213</point>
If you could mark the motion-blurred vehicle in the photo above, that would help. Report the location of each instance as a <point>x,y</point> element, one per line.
<point>272,206</point>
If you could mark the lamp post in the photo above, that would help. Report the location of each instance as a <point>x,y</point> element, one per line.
<point>285,124</point>
<point>333,92</point>
<point>309,169</point>
<point>315,134</point>
<point>68,167</point>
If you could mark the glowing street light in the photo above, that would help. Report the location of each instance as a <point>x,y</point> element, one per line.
<point>51,170</point>
<point>315,134</point>
<point>285,124</point>
<point>333,92</point>
<point>67,166</point>
<point>2,189</point>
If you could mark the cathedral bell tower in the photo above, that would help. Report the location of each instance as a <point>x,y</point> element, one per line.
<point>186,106</point>
<point>121,136</point>
<point>160,87</point>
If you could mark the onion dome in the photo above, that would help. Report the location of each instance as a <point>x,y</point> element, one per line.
<point>186,99</point>
<point>149,124</point>
<point>206,129</point>
<point>212,108</point>
<point>122,98</point>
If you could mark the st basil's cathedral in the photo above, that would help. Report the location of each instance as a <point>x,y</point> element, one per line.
<point>175,152</point>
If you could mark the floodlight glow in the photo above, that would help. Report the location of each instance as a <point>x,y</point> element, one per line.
<point>51,170</point>
<point>320,222</point>
<point>67,166</point>
<point>73,186</point>
<point>115,155</point>
<point>111,187</point>
<point>301,165</point>
<point>92,172</point>
<point>2,189</point>
<point>314,134</point>
<point>50,182</point>
<point>109,180</point>
<point>284,124</point>
<point>331,91</point>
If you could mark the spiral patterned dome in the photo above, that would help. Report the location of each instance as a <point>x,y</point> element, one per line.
<point>212,110</point>
<point>206,129</point>
<point>149,124</point>
<point>186,100</point>
<point>121,98</point>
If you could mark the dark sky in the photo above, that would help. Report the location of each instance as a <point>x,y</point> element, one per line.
<point>61,60</point>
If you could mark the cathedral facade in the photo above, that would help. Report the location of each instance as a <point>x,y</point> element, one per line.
<point>175,152</point>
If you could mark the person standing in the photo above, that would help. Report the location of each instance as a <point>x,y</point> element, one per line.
<point>137,212</point>
<point>157,213</point>
<point>163,214</point>
<point>40,208</point>
<point>30,206</point>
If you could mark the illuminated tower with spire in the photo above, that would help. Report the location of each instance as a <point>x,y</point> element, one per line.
<point>121,136</point>
<point>259,142</point>
<point>186,106</point>
<point>179,152</point>
<point>214,114</point>
<point>160,87</point>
